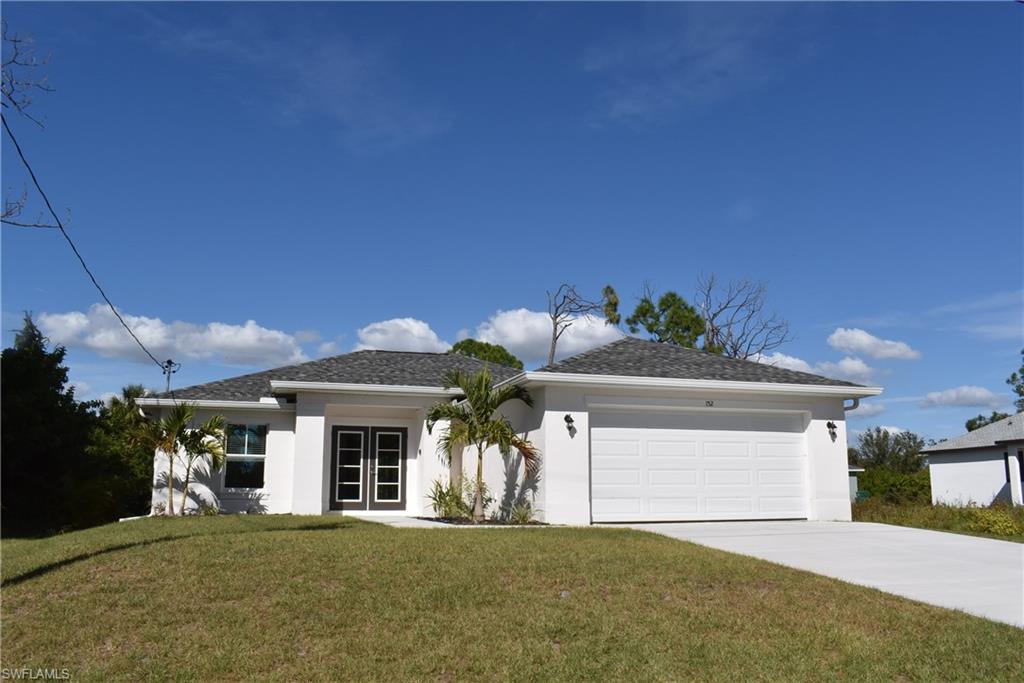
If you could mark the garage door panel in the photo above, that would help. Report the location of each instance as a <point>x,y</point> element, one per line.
<point>737,477</point>
<point>671,449</point>
<point>662,506</point>
<point>676,477</point>
<point>664,474</point>
<point>713,449</point>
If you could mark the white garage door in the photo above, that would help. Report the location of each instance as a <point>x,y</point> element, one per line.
<point>696,466</point>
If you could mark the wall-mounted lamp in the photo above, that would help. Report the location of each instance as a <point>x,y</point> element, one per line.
<point>831,426</point>
<point>570,424</point>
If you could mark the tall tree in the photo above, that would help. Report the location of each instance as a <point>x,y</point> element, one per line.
<point>475,421</point>
<point>123,441</point>
<point>1016,382</point>
<point>492,353</point>
<point>667,318</point>
<point>44,436</point>
<point>981,420</point>
<point>736,321</point>
<point>566,304</point>
<point>880,447</point>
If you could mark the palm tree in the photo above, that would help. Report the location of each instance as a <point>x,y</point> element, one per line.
<point>205,443</point>
<point>173,435</point>
<point>474,420</point>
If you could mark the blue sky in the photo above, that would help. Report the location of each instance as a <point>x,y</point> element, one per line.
<point>398,176</point>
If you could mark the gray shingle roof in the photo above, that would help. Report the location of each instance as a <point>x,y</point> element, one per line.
<point>396,368</point>
<point>632,357</point>
<point>1008,429</point>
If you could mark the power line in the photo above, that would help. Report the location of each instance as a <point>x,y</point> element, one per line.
<point>169,366</point>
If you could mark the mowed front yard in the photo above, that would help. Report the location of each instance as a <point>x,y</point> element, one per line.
<point>294,598</point>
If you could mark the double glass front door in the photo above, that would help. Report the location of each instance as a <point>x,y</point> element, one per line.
<point>368,468</point>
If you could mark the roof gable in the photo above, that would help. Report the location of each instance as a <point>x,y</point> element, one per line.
<point>632,357</point>
<point>387,368</point>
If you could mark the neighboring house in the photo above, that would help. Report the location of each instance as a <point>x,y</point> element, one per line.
<point>980,467</point>
<point>854,487</point>
<point>629,431</point>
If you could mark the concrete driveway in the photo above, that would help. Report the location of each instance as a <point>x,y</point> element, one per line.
<point>977,575</point>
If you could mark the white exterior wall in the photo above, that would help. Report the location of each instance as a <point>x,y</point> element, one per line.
<point>506,479</point>
<point>208,488</point>
<point>565,489</point>
<point>318,413</point>
<point>969,477</point>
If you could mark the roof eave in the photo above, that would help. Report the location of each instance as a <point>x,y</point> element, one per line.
<point>216,403</point>
<point>723,386</point>
<point>291,386</point>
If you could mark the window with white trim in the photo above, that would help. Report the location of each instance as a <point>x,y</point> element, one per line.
<point>246,455</point>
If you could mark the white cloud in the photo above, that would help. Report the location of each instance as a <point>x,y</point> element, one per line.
<point>853,369</point>
<point>696,54</point>
<point>781,360</point>
<point>527,334</point>
<point>328,349</point>
<point>850,368</point>
<point>866,410</point>
<point>307,336</point>
<point>856,340</point>
<point>963,396</point>
<point>98,330</point>
<point>400,334</point>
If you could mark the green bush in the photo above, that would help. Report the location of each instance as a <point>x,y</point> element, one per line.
<point>447,501</point>
<point>896,487</point>
<point>996,521</point>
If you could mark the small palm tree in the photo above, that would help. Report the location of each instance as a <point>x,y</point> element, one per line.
<point>204,443</point>
<point>474,420</point>
<point>173,435</point>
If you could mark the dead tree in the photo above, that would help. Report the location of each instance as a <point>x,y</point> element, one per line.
<point>19,82</point>
<point>737,324</point>
<point>566,304</point>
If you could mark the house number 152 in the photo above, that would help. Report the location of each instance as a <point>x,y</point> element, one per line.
<point>709,404</point>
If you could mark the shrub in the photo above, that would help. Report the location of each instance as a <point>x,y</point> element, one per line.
<point>996,521</point>
<point>450,501</point>
<point>521,513</point>
<point>896,487</point>
<point>447,501</point>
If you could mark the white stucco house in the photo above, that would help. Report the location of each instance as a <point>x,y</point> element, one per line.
<point>629,431</point>
<point>979,467</point>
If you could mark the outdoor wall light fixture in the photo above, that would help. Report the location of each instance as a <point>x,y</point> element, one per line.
<point>570,424</point>
<point>831,429</point>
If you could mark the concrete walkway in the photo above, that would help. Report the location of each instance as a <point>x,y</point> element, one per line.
<point>977,575</point>
<point>400,522</point>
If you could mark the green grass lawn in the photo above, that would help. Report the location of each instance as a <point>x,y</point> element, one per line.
<point>1002,522</point>
<point>294,598</point>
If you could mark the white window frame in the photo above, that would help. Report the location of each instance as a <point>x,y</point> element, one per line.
<point>244,456</point>
<point>376,466</point>
<point>337,455</point>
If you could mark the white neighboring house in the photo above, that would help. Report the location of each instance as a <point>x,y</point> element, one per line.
<point>979,467</point>
<point>629,431</point>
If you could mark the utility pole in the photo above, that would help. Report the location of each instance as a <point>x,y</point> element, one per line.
<point>169,368</point>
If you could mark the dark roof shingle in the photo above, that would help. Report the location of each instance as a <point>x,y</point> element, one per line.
<point>632,357</point>
<point>396,368</point>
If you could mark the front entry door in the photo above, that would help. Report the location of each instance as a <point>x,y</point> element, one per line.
<point>368,468</point>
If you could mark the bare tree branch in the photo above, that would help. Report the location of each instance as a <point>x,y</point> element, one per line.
<point>19,81</point>
<point>737,324</point>
<point>565,304</point>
